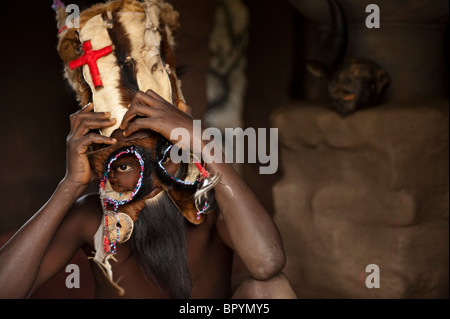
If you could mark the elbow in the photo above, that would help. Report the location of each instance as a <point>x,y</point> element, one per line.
<point>269,267</point>
<point>270,262</point>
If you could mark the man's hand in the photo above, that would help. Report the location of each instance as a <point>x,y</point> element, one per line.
<point>78,170</point>
<point>156,114</point>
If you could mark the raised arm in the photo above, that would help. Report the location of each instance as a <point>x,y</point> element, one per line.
<point>22,256</point>
<point>252,232</point>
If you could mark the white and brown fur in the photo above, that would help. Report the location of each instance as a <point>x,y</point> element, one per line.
<point>141,36</point>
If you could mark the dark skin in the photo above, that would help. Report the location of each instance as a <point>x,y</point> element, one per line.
<point>48,241</point>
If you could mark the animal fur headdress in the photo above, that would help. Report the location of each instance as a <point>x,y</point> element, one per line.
<point>119,48</point>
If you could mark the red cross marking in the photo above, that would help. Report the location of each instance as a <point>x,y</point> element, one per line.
<point>90,58</point>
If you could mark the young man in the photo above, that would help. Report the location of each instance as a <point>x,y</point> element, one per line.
<point>165,255</point>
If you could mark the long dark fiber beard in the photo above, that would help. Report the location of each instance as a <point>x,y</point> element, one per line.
<point>159,246</point>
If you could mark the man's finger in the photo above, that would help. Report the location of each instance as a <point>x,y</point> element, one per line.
<point>94,138</point>
<point>80,117</point>
<point>155,95</point>
<point>142,123</point>
<point>88,107</point>
<point>137,110</point>
<point>152,99</point>
<point>92,124</point>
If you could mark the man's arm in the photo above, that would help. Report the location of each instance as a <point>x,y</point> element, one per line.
<point>21,257</point>
<point>252,231</point>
